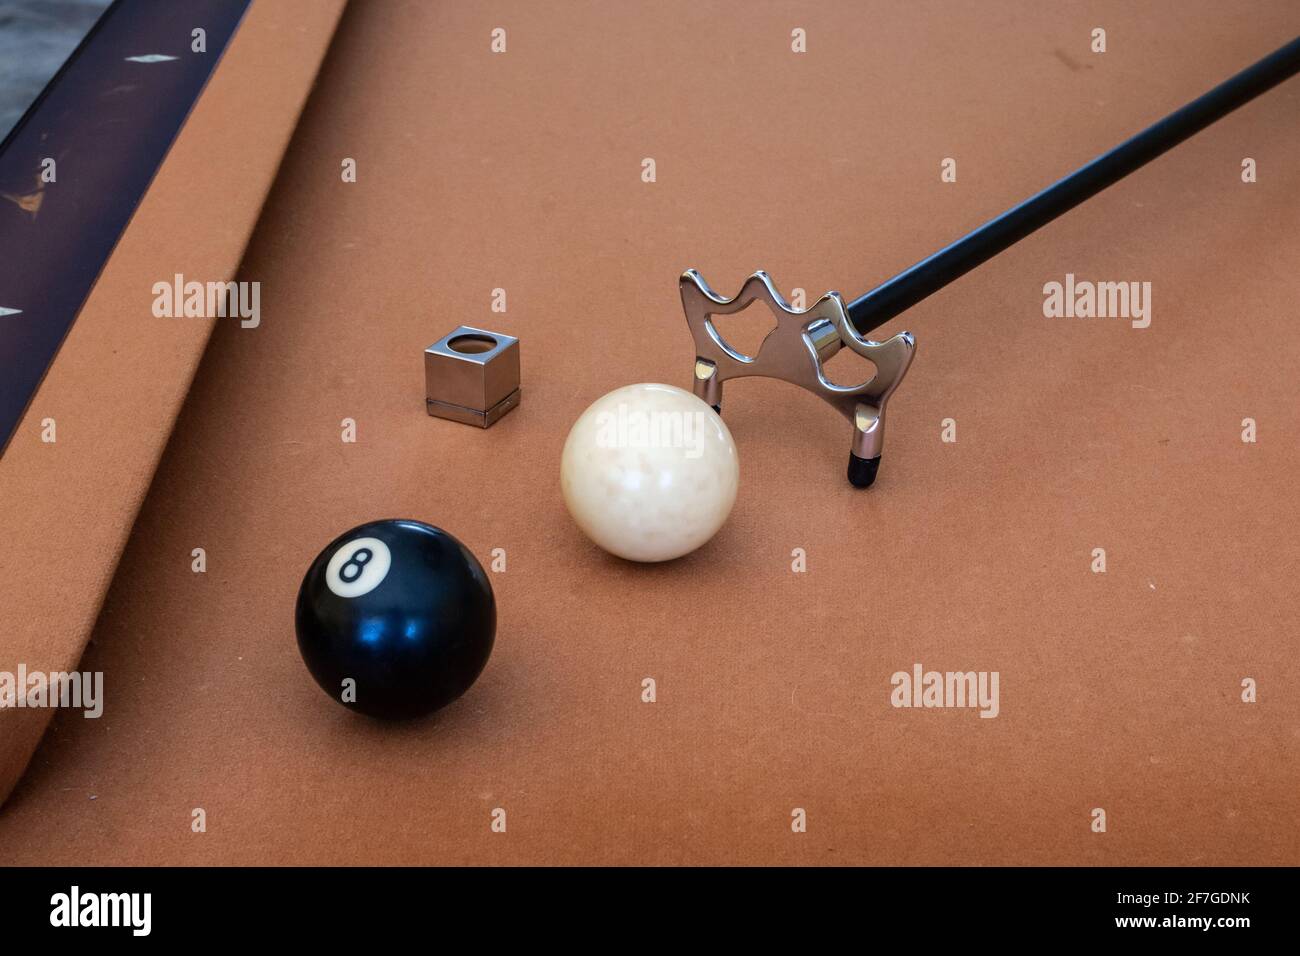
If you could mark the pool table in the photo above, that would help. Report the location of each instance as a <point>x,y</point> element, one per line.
<point>1077,505</point>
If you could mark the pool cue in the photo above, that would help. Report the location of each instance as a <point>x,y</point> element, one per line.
<point>931,274</point>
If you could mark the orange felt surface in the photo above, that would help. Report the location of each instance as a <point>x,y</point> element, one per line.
<point>522,171</point>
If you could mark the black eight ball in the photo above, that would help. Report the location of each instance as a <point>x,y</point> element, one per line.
<point>403,610</point>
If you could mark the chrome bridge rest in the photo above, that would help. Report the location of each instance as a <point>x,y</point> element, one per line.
<point>795,351</point>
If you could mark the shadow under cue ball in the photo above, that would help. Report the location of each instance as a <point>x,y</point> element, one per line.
<point>401,608</point>
<point>649,472</point>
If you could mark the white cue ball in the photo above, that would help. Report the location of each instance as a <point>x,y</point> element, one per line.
<point>649,472</point>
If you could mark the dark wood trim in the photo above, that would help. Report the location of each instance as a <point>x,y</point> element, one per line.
<point>108,122</point>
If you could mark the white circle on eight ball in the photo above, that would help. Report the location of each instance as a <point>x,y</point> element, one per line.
<point>358,567</point>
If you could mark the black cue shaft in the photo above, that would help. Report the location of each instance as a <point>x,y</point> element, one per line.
<point>934,272</point>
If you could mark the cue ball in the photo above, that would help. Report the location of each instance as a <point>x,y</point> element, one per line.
<point>402,609</point>
<point>649,472</point>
